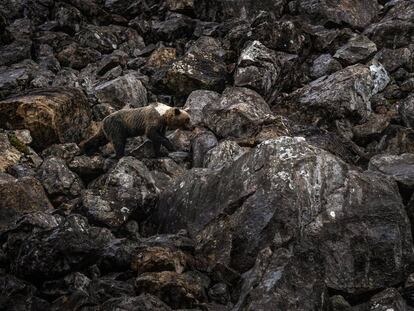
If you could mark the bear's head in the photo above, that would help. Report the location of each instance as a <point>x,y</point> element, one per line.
<point>176,118</point>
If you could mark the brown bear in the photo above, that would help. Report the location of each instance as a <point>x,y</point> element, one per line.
<point>151,120</point>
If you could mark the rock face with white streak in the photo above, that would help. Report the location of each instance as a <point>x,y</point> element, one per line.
<point>306,205</point>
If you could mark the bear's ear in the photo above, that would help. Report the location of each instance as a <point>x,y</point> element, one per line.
<point>177,111</point>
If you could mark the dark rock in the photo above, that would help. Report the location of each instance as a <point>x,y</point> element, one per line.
<point>396,28</point>
<point>345,93</point>
<point>161,57</point>
<point>399,167</point>
<point>196,102</point>
<point>63,151</point>
<point>127,90</point>
<point>219,293</point>
<point>200,145</point>
<point>324,65</point>
<point>375,125</point>
<point>143,302</point>
<point>22,28</point>
<point>356,50</point>
<point>69,18</point>
<point>256,210</point>
<point>406,110</point>
<point>182,6</point>
<point>9,151</point>
<point>77,57</point>
<point>356,13</point>
<point>221,10</point>
<point>58,179</point>
<point>174,27</point>
<point>177,290</point>
<point>257,68</point>
<point>393,59</point>
<point>20,196</point>
<point>338,303</point>
<point>15,52</point>
<point>239,113</point>
<point>128,189</point>
<point>72,245</point>
<point>108,62</point>
<point>13,81</point>
<point>47,59</point>
<point>386,300</point>
<point>88,168</point>
<point>52,115</point>
<point>222,155</point>
<point>202,67</point>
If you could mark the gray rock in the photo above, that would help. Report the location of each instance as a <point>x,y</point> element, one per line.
<point>392,59</point>
<point>68,18</point>
<point>406,110</point>
<point>127,189</point>
<point>63,151</point>
<point>77,57</point>
<point>257,68</point>
<point>58,179</point>
<point>389,299</point>
<point>356,13</point>
<point>202,67</point>
<point>124,91</point>
<point>143,302</point>
<point>356,50</point>
<point>223,155</point>
<point>306,204</point>
<point>15,52</point>
<point>399,167</point>
<point>239,113</point>
<point>88,168</point>
<point>200,145</point>
<point>324,65</point>
<point>13,81</point>
<point>196,102</point>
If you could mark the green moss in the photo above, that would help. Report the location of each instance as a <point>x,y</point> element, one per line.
<point>16,143</point>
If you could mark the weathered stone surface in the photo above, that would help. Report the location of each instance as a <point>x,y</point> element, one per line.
<point>63,151</point>
<point>196,102</point>
<point>223,155</point>
<point>346,93</point>
<point>356,13</point>
<point>406,110</point>
<point>289,193</point>
<point>175,26</point>
<point>239,113</point>
<point>18,197</point>
<point>324,65</point>
<point>58,179</point>
<point>77,57</point>
<point>9,154</point>
<point>128,189</point>
<point>88,168</point>
<point>386,300</point>
<point>399,167</point>
<point>201,143</point>
<point>392,59</point>
<point>143,302</point>
<point>15,52</point>
<point>202,67</point>
<point>356,50</point>
<point>257,68</point>
<point>13,81</point>
<point>177,290</point>
<point>52,115</point>
<point>124,91</point>
<point>375,125</point>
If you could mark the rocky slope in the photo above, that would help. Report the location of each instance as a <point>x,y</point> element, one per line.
<point>293,192</point>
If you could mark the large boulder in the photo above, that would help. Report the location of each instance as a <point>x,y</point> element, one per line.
<point>324,220</point>
<point>20,196</point>
<point>396,28</point>
<point>356,50</point>
<point>355,13</point>
<point>15,52</point>
<point>202,67</point>
<point>128,189</point>
<point>52,115</point>
<point>196,102</point>
<point>126,90</point>
<point>238,113</point>
<point>345,93</point>
<point>257,68</point>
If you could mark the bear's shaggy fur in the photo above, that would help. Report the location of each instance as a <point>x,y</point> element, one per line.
<point>152,121</point>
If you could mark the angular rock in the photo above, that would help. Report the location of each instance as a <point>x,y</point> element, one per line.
<point>128,189</point>
<point>77,57</point>
<point>143,302</point>
<point>63,151</point>
<point>161,57</point>
<point>389,299</point>
<point>15,52</point>
<point>202,67</point>
<point>374,126</point>
<point>222,155</point>
<point>196,102</point>
<point>53,115</point>
<point>257,68</point>
<point>287,193</point>
<point>47,255</point>
<point>9,154</point>
<point>177,290</point>
<point>20,196</point>
<point>174,27</point>
<point>346,93</point>
<point>58,180</point>
<point>355,13</point>
<point>183,6</point>
<point>13,81</point>
<point>124,91</point>
<point>324,65</point>
<point>239,113</point>
<point>396,28</point>
<point>406,110</point>
<point>200,145</point>
<point>392,59</point>
<point>399,167</point>
<point>108,62</point>
<point>356,50</point>
<point>88,168</point>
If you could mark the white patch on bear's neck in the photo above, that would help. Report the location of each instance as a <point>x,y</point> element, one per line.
<point>161,108</point>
